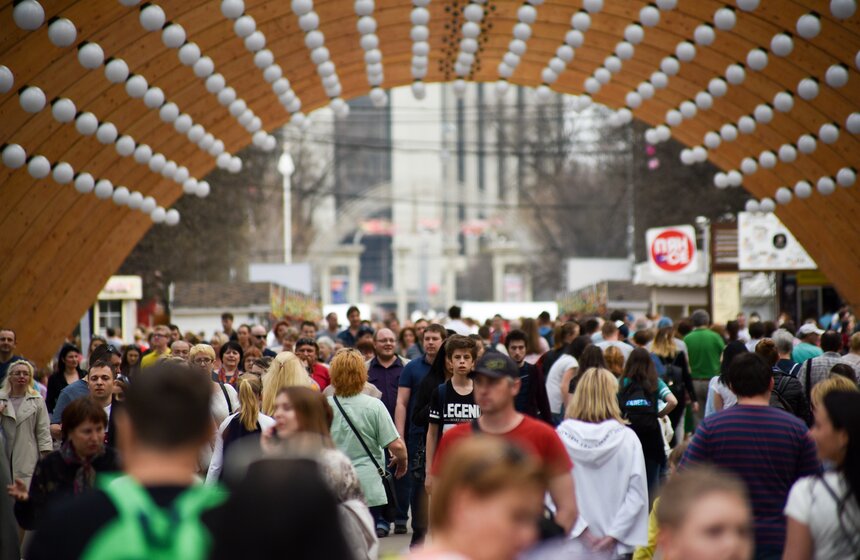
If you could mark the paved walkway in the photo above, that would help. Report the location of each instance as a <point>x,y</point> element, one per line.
<point>394,546</point>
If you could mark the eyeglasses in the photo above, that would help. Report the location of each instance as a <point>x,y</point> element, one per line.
<point>203,361</point>
<point>158,335</point>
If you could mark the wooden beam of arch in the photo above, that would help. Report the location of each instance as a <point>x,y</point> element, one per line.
<point>59,247</point>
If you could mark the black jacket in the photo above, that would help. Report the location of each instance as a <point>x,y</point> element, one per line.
<point>793,395</point>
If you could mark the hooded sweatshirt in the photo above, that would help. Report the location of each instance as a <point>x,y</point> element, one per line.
<point>611,488</point>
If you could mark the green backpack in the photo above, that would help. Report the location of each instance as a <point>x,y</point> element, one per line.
<point>143,530</point>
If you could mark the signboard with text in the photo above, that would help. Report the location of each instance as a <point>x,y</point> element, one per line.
<point>764,243</point>
<point>671,250</point>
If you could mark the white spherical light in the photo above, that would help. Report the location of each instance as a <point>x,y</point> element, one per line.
<point>301,7</point>
<point>767,159</point>
<point>142,154</point>
<point>836,76</point>
<point>852,123</point>
<point>659,80</point>
<point>602,75</point>
<point>62,32</point>
<point>767,205</point>
<point>543,93</point>
<point>136,86</point>
<point>135,200</point>
<point>625,116</point>
<point>808,26</point>
<point>649,16</point>
<point>751,205</point>
<point>624,50</point>
<point>846,177</point>
<point>688,108</point>
<point>557,65</point>
<point>148,205</point>
<point>592,86</point>
<point>235,165</point>
<point>735,178</point>
<point>651,136</point>
<point>271,143</point>
<point>806,144</point>
<point>206,142</point>
<point>807,88</point>
<point>181,174</point>
<point>783,101</point>
<point>125,145</point>
<point>663,133</point>
<point>281,86</point>
<point>747,5</point>
<point>157,162</point>
<point>226,96</point>
<point>787,153</point>
<point>190,186</point>
<point>670,65</point>
<point>721,180</point>
<point>472,12</point>
<point>826,186</point>
<point>802,189</point>
<point>674,117</point>
<point>153,98</point>
<point>316,39</point>
<point>203,189</point>
<point>63,173</point>
<point>704,35</point>
<point>168,112</point>
<point>581,21</point>
<point>169,169</point>
<point>746,124</point>
<point>735,74</point>
<point>418,16</point>
<point>712,140</point>
<point>171,217</point>
<point>420,33</point>
<point>86,124</point>
<point>645,89</point>
<point>222,160</point>
<point>38,167</point>
<point>189,53</point>
<point>28,15</point>
<point>700,154</point>
<point>522,31</point>
<point>757,59</point>
<point>7,79</point>
<point>32,99</point>
<point>116,71</point>
<point>783,195</point>
<point>183,123</point>
<point>203,67</point>
<point>255,41</point>
<point>592,6</point>
<point>749,166</point>
<point>685,51</point>
<point>717,87</point>
<point>215,83</point>
<point>106,133</point>
<point>104,189</point>
<point>725,19</point>
<point>828,133</point>
<point>763,114</point>
<point>158,215</point>
<point>687,157</point>
<point>121,196</point>
<point>196,133</point>
<point>244,26</point>
<point>91,55</point>
<point>152,17</point>
<point>548,76</point>
<point>843,9</point>
<point>173,36</point>
<point>633,100</point>
<point>245,118</point>
<point>781,44</point>
<point>667,4</point>
<point>574,38</point>
<point>216,148</point>
<point>232,9</point>
<point>309,21</point>
<point>272,73</point>
<point>634,33</point>
<point>84,183</point>
<point>704,101</point>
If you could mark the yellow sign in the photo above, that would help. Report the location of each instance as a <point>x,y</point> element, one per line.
<point>812,278</point>
<point>725,296</point>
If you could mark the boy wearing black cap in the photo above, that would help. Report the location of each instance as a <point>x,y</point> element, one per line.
<point>496,385</point>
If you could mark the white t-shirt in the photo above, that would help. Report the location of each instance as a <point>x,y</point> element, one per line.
<point>729,398</point>
<point>218,404</point>
<point>553,381</point>
<point>625,349</point>
<point>812,502</point>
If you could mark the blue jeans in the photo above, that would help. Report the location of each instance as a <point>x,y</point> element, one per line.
<point>402,487</point>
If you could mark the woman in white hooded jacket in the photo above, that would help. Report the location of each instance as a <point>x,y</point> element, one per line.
<point>609,470</point>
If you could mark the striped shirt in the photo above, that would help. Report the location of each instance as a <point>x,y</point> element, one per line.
<point>768,448</point>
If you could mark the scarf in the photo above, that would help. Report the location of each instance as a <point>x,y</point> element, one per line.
<point>85,475</point>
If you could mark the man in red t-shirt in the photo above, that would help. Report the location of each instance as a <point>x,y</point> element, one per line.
<point>496,385</point>
<point>307,350</point>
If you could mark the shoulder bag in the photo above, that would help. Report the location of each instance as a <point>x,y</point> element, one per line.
<point>389,511</point>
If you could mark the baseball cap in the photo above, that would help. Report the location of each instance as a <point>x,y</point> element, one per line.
<point>497,365</point>
<point>808,328</point>
<point>364,330</point>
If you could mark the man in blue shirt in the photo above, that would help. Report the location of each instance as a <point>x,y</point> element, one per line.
<point>416,436</point>
<point>349,335</point>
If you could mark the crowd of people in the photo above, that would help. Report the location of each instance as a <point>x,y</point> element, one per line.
<point>580,437</point>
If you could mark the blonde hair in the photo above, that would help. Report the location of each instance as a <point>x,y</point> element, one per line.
<point>250,393</point>
<point>483,466</point>
<point>614,361</point>
<point>220,339</point>
<point>829,385</point>
<point>285,371</point>
<point>348,372</point>
<point>31,390</point>
<point>199,349</point>
<point>596,398</point>
<point>664,343</point>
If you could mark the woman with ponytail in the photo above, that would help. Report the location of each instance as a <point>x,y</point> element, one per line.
<point>248,422</point>
<point>823,511</point>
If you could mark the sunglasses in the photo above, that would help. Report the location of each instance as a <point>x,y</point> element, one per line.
<point>260,336</point>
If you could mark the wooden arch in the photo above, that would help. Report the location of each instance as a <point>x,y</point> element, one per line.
<point>58,246</point>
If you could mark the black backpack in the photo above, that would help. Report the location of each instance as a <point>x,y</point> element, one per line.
<point>639,408</point>
<point>673,377</point>
<point>777,396</point>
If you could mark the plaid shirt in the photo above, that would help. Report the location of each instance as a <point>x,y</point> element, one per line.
<point>817,369</point>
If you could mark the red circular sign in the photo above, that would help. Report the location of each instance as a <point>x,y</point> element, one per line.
<point>673,250</point>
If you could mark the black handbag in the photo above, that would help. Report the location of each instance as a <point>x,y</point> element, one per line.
<point>389,511</point>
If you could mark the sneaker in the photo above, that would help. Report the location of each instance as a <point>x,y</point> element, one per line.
<point>400,529</point>
<point>381,532</point>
